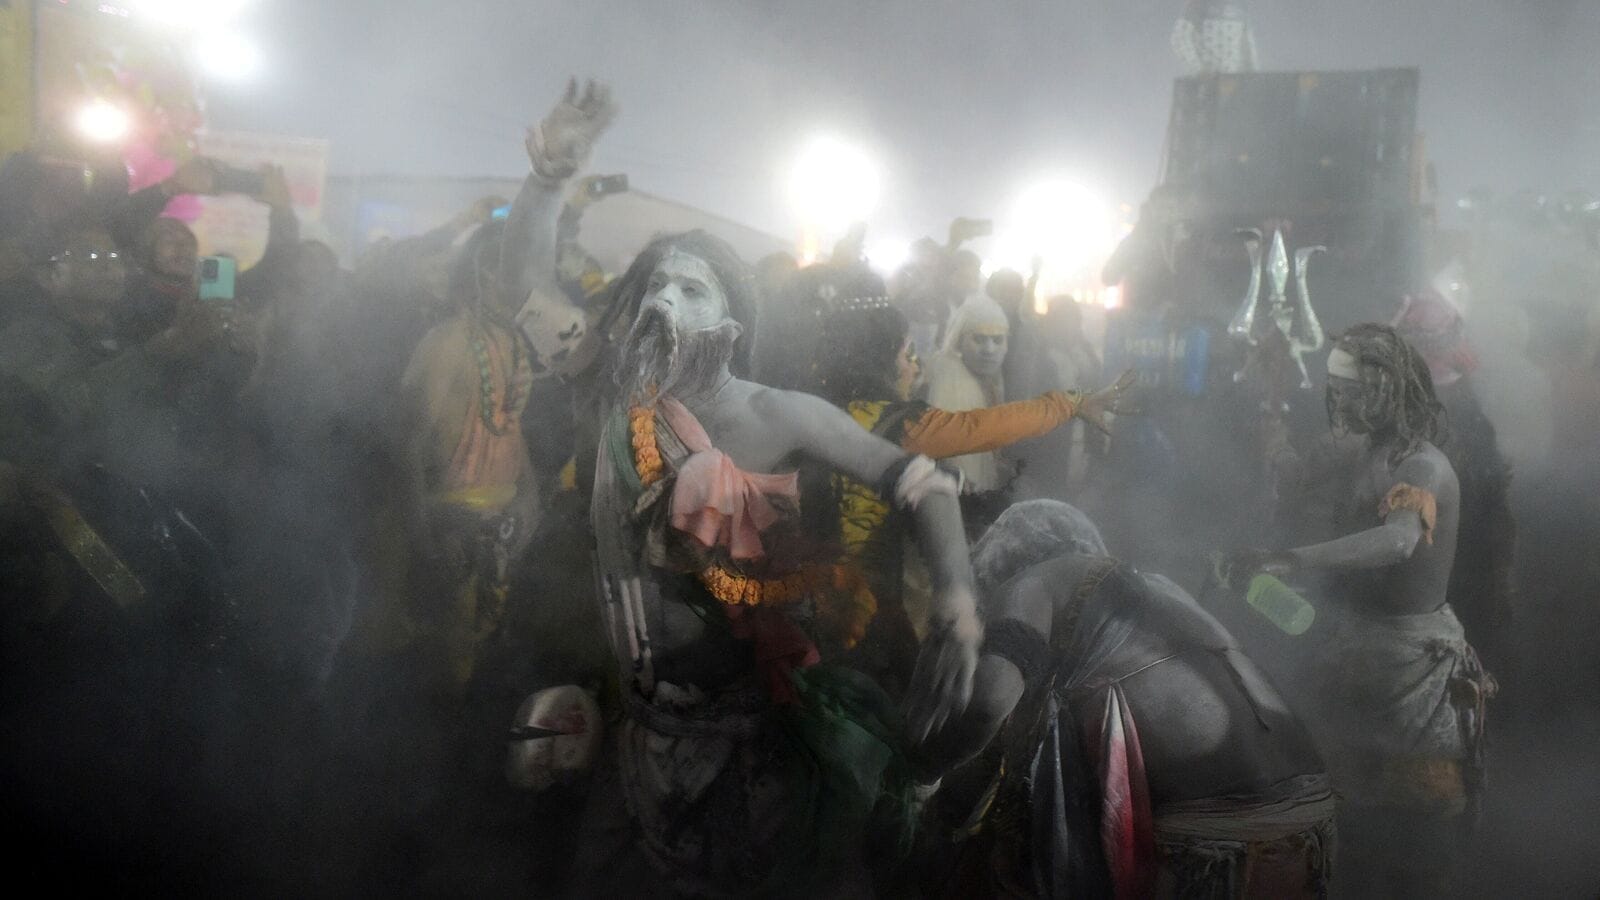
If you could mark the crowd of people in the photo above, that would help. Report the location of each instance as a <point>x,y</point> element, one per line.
<point>477,569</point>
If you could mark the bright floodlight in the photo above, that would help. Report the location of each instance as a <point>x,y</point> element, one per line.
<point>228,56</point>
<point>1064,222</point>
<point>102,122</point>
<point>833,184</point>
<point>1067,227</point>
<point>888,255</point>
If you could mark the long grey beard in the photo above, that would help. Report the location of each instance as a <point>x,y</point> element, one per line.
<point>657,361</point>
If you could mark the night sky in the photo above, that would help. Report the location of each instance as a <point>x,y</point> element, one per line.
<point>962,101</point>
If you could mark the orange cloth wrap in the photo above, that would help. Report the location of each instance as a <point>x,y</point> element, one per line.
<point>941,434</point>
<point>1409,496</point>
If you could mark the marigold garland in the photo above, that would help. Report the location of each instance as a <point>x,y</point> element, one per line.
<point>841,593</point>
<point>646,455</point>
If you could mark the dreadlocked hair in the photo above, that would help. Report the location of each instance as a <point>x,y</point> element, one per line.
<point>1414,411</point>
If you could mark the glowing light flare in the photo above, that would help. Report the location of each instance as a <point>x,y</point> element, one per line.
<point>833,184</point>
<point>102,122</point>
<point>228,56</point>
<point>887,255</point>
<point>1067,224</point>
<point>1070,228</point>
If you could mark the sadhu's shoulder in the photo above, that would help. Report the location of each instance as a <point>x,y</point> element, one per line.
<point>1427,467</point>
<point>781,404</point>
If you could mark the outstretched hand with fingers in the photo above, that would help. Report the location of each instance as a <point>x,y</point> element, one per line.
<point>1093,408</point>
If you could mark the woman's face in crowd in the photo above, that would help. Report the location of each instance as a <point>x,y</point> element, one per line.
<point>907,369</point>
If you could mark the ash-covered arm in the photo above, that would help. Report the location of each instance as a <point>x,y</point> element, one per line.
<point>1408,514</point>
<point>528,249</point>
<point>1375,548</point>
<point>558,147</point>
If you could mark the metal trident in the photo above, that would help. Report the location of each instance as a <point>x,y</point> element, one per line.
<point>1308,337</point>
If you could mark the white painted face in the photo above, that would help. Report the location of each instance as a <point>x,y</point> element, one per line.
<point>983,347</point>
<point>685,288</point>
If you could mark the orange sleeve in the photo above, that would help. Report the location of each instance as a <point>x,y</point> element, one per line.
<point>1407,496</point>
<point>941,434</point>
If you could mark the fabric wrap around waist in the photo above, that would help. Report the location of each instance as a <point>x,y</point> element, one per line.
<point>1289,807</point>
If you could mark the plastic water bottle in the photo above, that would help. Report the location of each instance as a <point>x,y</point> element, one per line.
<point>1280,604</point>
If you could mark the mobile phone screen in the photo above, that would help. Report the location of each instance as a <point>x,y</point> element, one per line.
<point>217,276</point>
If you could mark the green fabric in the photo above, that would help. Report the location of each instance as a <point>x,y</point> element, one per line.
<point>620,448</point>
<point>849,775</point>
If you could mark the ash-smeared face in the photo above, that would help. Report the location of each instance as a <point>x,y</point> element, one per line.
<point>1355,396</point>
<point>683,337</point>
<point>684,288</point>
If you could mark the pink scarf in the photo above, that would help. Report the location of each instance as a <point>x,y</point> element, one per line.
<point>715,501</point>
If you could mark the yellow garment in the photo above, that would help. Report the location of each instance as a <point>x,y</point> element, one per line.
<point>861,511</point>
<point>941,434</point>
<point>480,498</point>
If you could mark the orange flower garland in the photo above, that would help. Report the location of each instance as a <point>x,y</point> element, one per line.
<point>841,592</point>
<point>646,455</point>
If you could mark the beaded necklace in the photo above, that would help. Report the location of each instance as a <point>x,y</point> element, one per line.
<point>477,337</point>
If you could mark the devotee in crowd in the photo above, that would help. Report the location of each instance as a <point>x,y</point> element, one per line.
<point>1125,744</point>
<point>969,373</point>
<point>724,624</point>
<point>871,372</point>
<point>1481,589</point>
<point>1401,694</point>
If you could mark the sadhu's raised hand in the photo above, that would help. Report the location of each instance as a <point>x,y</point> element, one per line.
<point>560,145</point>
<point>1093,408</point>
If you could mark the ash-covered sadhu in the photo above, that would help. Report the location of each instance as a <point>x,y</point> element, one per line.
<point>744,762</point>
<point>1130,747</point>
<point>1401,694</point>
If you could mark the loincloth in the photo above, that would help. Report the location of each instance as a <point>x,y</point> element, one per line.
<point>1404,700</point>
<point>1278,843</point>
